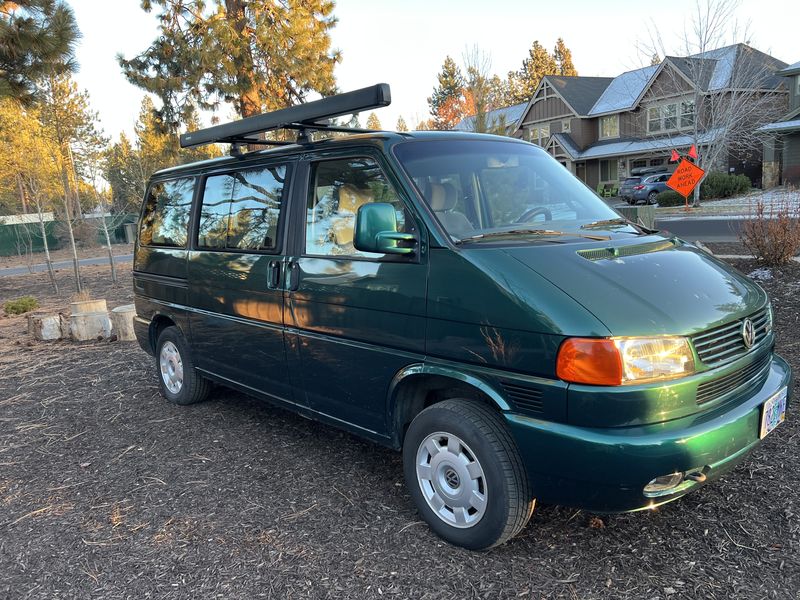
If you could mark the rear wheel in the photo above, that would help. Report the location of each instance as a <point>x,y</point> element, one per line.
<point>651,197</point>
<point>179,381</point>
<point>465,474</point>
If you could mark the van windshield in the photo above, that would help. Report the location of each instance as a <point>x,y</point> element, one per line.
<point>478,188</point>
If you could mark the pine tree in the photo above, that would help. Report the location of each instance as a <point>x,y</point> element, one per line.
<point>37,39</point>
<point>447,101</point>
<point>373,122</point>
<point>75,141</point>
<point>523,83</point>
<point>67,117</point>
<point>401,124</point>
<point>563,58</point>
<point>259,55</point>
<point>128,165</point>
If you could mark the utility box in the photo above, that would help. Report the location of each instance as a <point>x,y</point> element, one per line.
<point>644,215</point>
<point>130,233</point>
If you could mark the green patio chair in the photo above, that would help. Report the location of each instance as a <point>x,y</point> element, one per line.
<point>600,188</point>
<point>615,191</point>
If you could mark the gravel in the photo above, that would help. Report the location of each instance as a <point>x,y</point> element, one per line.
<point>107,491</point>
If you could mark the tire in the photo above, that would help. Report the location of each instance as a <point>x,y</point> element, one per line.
<point>180,383</point>
<point>651,197</point>
<point>442,447</point>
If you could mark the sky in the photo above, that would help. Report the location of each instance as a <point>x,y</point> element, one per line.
<point>404,43</point>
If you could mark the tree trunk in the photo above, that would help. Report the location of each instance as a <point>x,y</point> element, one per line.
<point>21,190</point>
<point>108,248</point>
<point>249,99</point>
<point>46,247</point>
<point>67,193</point>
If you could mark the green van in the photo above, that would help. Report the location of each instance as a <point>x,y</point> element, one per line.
<point>461,297</point>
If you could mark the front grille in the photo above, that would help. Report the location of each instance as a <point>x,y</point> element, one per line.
<point>710,390</point>
<point>523,398</point>
<point>724,344</point>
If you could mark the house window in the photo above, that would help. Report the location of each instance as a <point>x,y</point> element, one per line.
<point>638,164</point>
<point>566,126</point>
<point>687,113</point>
<point>656,162</point>
<point>540,134</point>
<point>608,170</point>
<point>609,126</point>
<point>667,117</point>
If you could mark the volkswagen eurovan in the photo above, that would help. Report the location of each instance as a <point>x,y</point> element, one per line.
<point>462,298</point>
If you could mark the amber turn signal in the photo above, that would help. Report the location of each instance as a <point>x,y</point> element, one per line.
<point>595,361</point>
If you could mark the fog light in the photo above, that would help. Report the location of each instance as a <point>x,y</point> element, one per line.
<point>663,485</point>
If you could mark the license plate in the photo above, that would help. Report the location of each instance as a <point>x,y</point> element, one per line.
<point>773,412</point>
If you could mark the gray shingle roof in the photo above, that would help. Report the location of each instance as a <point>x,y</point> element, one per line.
<point>781,126</point>
<point>739,64</point>
<point>580,92</point>
<point>509,115</point>
<point>622,93</point>
<point>792,69</point>
<point>610,148</point>
<point>568,144</point>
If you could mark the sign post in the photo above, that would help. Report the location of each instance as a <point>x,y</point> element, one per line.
<point>685,179</point>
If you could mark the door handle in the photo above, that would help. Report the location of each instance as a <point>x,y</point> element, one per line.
<point>294,276</point>
<point>273,274</point>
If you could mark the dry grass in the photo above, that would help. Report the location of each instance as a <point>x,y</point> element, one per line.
<point>772,232</point>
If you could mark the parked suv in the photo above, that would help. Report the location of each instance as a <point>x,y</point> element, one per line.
<point>464,299</point>
<point>643,188</point>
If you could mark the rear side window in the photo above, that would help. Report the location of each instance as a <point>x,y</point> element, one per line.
<point>241,210</point>
<point>166,213</point>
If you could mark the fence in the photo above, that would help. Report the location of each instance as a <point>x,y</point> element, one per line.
<point>19,238</point>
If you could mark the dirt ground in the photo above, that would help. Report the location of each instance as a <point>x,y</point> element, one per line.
<point>107,491</point>
<point>64,254</point>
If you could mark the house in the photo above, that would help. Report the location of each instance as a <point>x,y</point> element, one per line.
<point>603,128</point>
<point>504,119</point>
<point>782,137</point>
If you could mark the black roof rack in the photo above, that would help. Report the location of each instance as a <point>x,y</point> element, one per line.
<point>303,117</point>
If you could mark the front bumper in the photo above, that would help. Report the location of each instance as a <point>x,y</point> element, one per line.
<point>606,469</point>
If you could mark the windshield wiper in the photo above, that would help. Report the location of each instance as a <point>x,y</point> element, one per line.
<point>541,232</point>
<point>605,223</point>
<point>615,222</point>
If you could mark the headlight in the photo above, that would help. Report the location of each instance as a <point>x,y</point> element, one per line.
<point>621,361</point>
<point>649,359</point>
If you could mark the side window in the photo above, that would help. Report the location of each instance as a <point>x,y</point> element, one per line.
<point>166,213</point>
<point>241,210</point>
<point>338,189</point>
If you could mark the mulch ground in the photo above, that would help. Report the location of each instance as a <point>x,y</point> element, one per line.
<point>107,491</point>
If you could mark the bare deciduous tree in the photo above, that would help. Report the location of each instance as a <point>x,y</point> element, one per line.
<point>725,89</point>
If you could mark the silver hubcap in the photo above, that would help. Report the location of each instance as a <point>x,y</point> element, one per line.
<point>171,367</point>
<point>451,479</point>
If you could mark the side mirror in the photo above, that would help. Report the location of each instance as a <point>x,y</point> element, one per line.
<point>376,230</point>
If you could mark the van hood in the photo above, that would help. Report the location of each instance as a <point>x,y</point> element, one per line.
<point>648,286</point>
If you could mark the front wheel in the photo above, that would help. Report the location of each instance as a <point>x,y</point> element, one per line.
<point>465,474</point>
<point>179,381</point>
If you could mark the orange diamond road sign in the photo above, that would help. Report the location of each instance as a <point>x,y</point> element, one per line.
<point>685,178</point>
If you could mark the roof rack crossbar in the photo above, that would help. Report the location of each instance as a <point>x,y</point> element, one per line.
<point>303,116</point>
<point>255,141</point>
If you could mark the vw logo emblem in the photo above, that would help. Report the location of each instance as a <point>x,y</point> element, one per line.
<point>748,333</point>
